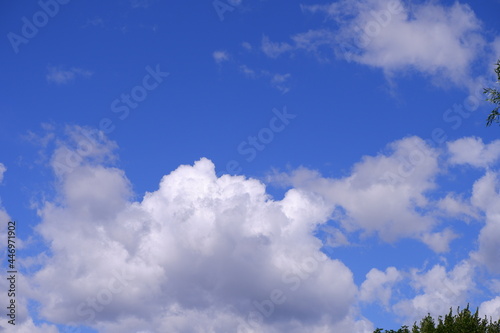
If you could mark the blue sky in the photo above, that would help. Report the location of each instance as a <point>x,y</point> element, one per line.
<point>184,166</point>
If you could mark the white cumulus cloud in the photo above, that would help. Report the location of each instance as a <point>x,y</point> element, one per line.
<point>207,253</point>
<point>433,38</point>
<point>491,308</point>
<point>201,253</point>
<point>384,194</point>
<point>473,151</point>
<point>437,40</point>
<point>378,285</point>
<point>438,290</point>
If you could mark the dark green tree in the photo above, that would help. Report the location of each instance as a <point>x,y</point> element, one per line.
<point>494,97</point>
<point>463,322</point>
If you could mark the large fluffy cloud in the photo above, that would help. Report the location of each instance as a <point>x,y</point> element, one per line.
<point>203,253</point>
<point>200,254</point>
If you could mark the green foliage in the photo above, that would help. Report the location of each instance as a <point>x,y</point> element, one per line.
<point>463,322</point>
<point>494,97</point>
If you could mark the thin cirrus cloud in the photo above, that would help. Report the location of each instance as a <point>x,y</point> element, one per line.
<point>278,81</point>
<point>60,75</point>
<point>247,46</point>
<point>220,56</point>
<point>140,3</point>
<point>2,171</point>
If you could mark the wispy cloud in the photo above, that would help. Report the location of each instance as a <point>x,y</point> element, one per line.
<point>247,46</point>
<point>274,49</point>
<point>94,22</point>
<point>278,81</point>
<point>220,56</point>
<point>140,3</point>
<point>248,71</point>
<point>59,75</point>
<point>2,171</point>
